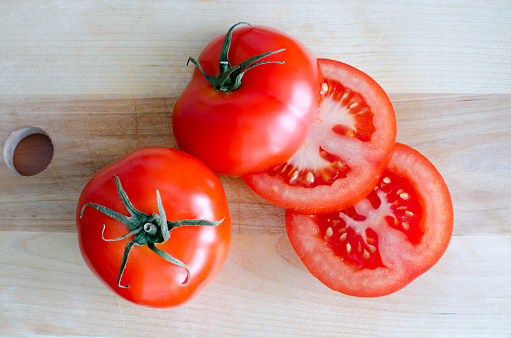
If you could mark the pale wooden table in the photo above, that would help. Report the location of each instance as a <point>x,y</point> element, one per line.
<point>101,78</point>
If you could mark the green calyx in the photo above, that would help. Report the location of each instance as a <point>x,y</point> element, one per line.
<point>147,229</point>
<point>230,76</point>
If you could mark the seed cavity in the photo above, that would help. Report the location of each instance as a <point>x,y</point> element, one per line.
<point>335,169</point>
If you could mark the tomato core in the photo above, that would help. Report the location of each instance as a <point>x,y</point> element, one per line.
<point>347,114</point>
<point>353,232</point>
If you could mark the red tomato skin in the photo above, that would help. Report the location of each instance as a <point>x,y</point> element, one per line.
<point>189,190</point>
<point>360,181</point>
<point>437,221</point>
<point>259,125</point>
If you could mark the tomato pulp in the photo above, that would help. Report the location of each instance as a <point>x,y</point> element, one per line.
<point>345,151</point>
<point>164,186</point>
<point>384,242</point>
<point>263,122</point>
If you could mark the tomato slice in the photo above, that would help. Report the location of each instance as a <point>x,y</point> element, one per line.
<point>385,241</point>
<point>346,149</point>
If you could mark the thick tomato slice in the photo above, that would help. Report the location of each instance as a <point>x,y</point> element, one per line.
<point>346,149</point>
<point>385,241</point>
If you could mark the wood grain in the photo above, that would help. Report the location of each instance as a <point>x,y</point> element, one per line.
<point>465,136</point>
<point>101,79</point>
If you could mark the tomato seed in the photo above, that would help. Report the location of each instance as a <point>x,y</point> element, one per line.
<point>324,88</point>
<point>404,196</point>
<point>329,232</point>
<point>309,177</point>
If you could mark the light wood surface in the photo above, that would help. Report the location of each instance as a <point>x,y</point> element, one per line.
<point>101,79</point>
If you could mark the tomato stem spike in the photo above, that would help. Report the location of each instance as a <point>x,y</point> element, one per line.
<point>129,234</point>
<point>148,229</point>
<point>229,77</point>
<point>139,216</point>
<point>193,222</point>
<point>224,63</point>
<point>170,259</point>
<point>163,218</point>
<point>127,250</point>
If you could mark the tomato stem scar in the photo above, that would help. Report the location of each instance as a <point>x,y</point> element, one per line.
<point>147,229</point>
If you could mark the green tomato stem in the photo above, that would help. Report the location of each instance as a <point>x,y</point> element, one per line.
<point>230,77</point>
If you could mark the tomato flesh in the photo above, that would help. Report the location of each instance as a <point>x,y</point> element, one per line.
<point>353,232</point>
<point>379,245</point>
<point>345,151</point>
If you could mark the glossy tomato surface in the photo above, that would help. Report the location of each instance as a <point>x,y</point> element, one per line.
<point>385,241</point>
<point>188,190</point>
<point>262,123</point>
<point>346,149</point>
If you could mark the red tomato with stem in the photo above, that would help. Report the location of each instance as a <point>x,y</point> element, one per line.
<point>238,118</point>
<point>380,245</point>
<point>154,226</point>
<point>346,149</point>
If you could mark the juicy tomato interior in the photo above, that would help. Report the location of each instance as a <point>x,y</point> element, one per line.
<point>353,232</point>
<point>386,240</point>
<point>347,147</point>
<point>345,113</point>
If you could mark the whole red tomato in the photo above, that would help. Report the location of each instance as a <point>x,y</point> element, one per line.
<point>239,119</point>
<point>154,226</point>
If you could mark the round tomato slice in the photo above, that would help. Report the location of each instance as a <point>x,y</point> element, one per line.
<point>346,149</point>
<point>385,241</point>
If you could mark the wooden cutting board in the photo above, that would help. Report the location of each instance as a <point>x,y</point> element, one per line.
<point>101,79</point>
